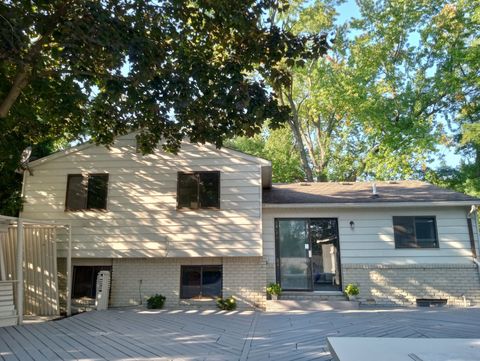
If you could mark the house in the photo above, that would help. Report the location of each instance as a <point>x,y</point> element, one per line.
<point>207,222</point>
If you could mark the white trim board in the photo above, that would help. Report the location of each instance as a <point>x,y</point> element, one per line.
<point>369,204</point>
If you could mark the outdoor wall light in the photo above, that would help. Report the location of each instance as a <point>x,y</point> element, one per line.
<point>352,225</point>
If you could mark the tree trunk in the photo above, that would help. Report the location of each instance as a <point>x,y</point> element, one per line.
<point>20,82</point>
<point>294,125</point>
<point>477,161</point>
<point>297,134</point>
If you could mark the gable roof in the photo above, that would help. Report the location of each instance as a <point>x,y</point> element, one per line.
<point>83,146</point>
<point>361,193</point>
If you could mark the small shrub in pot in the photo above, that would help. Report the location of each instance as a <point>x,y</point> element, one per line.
<point>227,304</point>
<point>156,302</point>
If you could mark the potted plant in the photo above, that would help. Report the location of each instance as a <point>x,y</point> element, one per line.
<point>274,290</point>
<point>227,304</point>
<point>155,302</point>
<point>352,291</point>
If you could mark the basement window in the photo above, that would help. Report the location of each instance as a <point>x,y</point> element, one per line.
<point>198,190</point>
<point>415,232</point>
<point>84,281</point>
<point>86,192</point>
<point>431,302</point>
<point>201,282</point>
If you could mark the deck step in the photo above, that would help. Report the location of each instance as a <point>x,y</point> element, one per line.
<point>6,298</point>
<point>10,320</point>
<point>309,305</point>
<point>313,296</point>
<point>6,285</point>
<point>6,307</point>
<point>8,314</point>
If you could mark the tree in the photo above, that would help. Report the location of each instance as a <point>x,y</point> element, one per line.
<point>169,69</point>
<point>278,147</point>
<point>376,105</point>
<point>454,38</point>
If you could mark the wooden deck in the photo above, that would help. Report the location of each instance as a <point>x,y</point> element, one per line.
<point>212,335</point>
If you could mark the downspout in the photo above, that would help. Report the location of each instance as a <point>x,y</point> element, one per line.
<point>475,221</point>
<point>472,221</point>
<point>473,214</point>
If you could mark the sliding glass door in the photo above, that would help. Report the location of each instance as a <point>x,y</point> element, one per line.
<point>325,258</point>
<point>308,255</point>
<point>292,242</point>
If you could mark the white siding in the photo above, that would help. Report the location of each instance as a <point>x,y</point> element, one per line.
<point>372,240</point>
<point>141,218</point>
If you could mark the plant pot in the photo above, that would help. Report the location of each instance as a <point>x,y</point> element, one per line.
<point>352,297</point>
<point>274,297</point>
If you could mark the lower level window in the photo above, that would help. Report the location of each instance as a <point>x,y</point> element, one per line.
<point>85,280</point>
<point>201,281</point>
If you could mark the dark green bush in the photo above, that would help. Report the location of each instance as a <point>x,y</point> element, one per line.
<point>156,301</point>
<point>227,304</point>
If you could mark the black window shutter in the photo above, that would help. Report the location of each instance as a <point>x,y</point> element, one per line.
<point>76,192</point>
<point>209,189</point>
<point>97,191</point>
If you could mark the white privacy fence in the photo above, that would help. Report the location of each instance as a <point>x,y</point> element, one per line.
<point>39,268</point>
<point>28,258</point>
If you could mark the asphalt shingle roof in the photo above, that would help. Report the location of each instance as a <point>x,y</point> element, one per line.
<point>361,192</point>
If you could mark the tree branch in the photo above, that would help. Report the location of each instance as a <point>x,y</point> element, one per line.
<point>20,82</point>
<point>22,77</point>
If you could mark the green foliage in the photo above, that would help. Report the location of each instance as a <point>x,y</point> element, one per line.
<point>352,290</point>
<point>276,146</point>
<point>463,179</point>
<point>398,82</point>
<point>274,289</point>
<point>227,304</point>
<point>156,302</point>
<point>170,69</point>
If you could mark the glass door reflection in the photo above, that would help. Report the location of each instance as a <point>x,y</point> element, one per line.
<point>325,255</point>
<point>295,273</point>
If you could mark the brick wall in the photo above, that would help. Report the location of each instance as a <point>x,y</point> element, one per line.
<point>402,285</point>
<point>243,277</point>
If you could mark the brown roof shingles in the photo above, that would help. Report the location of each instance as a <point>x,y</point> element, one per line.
<point>361,192</point>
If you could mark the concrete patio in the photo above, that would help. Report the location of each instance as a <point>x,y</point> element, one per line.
<point>138,334</point>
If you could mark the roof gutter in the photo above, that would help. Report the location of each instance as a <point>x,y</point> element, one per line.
<point>367,205</point>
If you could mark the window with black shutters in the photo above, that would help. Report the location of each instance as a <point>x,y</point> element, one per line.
<point>201,282</point>
<point>86,192</point>
<point>415,232</point>
<point>198,190</point>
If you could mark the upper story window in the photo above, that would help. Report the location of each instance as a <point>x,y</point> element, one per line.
<point>86,192</point>
<point>415,232</point>
<point>198,190</point>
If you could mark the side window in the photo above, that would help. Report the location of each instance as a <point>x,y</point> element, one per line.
<point>86,192</point>
<point>415,232</point>
<point>201,282</point>
<point>198,190</point>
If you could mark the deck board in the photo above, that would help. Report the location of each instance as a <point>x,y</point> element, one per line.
<point>138,334</point>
